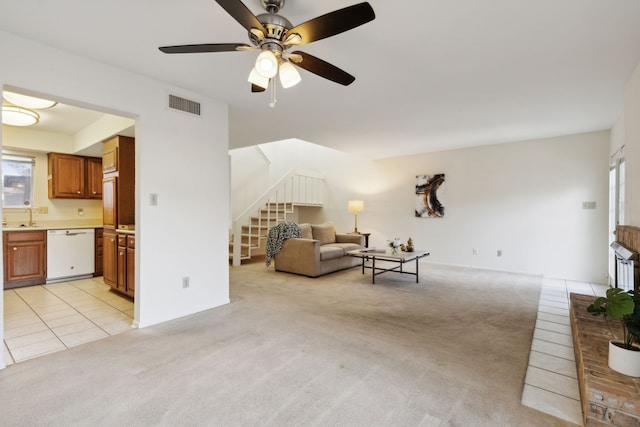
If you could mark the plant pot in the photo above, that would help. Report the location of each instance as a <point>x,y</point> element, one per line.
<point>625,361</point>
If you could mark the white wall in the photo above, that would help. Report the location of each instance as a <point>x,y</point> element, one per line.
<point>524,198</point>
<point>631,125</point>
<point>180,157</point>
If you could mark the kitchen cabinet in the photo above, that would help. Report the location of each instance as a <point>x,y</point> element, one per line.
<point>94,178</point>
<point>118,182</point>
<point>74,177</point>
<point>121,284</point>
<point>131,262</point>
<point>110,258</point>
<point>99,250</point>
<point>25,258</point>
<point>119,262</point>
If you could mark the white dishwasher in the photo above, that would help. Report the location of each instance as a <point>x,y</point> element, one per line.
<point>70,254</point>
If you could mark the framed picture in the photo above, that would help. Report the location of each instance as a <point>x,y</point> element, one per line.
<point>430,196</point>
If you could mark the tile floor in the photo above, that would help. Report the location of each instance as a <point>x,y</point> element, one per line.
<point>43,319</point>
<point>551,383</point>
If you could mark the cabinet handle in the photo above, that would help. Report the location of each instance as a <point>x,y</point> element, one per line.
<point>78,192</point>
<point>95,192</point>
<point>15,249</point>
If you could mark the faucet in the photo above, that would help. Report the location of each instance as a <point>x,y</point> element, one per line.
<point>31,223</point>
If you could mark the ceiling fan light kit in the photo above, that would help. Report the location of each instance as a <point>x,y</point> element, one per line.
<point>289,76</point>
<point>273,35</point>
<point>267,64</point>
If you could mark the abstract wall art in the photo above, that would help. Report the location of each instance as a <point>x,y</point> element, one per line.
<point>430,196</point>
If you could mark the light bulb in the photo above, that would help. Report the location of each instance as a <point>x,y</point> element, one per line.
<point>267,64</point>
<point>257,79</point>
<point>289,76</point>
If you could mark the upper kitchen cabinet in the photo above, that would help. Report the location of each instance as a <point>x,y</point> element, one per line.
<point>94,178</point>
<point>118,155</point>
<point>118,183</point>
<point>74,177</point>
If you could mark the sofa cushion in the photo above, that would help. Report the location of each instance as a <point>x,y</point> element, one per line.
<point>328,252</point>
<point>324,233</point>
<point>345,246</point>
<point>305,231</point>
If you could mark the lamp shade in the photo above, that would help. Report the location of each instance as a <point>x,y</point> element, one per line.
<point>355,206</point>
<point>267,64</point>
<point>16,116</point>
<point>257,79</point>
<point>289,76</point>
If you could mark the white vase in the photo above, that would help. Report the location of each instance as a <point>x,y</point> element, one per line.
<point>625,361</point>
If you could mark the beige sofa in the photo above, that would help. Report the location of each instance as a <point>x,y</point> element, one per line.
<point>319,250</point>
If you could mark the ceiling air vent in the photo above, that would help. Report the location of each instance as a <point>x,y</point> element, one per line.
<point>183,104</point>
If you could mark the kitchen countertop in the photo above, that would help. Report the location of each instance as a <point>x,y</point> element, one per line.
<point>57,225</point>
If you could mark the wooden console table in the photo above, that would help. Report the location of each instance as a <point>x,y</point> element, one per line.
<point>608,398</point>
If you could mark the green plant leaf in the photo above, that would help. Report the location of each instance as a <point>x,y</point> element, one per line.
<point>619,303</point>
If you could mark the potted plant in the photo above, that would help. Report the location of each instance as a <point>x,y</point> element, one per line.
<point>624,356</point>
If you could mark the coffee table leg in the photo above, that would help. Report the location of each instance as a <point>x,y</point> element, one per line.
<point>417,270</point>
<point>373,272</point>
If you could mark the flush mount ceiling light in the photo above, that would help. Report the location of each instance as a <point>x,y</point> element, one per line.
<point>16,116</point>
<point>274,35</point>
<point>26,101</point>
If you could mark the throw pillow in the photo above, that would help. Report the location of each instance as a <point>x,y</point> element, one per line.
<point>305,231</point>
<point>325,233</point>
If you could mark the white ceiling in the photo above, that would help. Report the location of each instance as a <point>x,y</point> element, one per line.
<point>430,75</point>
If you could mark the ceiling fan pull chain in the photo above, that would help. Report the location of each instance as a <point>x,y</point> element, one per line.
<point>272,104</point>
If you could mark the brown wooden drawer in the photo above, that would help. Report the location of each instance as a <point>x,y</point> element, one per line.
<point>131,241</point>
<point>122,240</point>
<point>25,236</point>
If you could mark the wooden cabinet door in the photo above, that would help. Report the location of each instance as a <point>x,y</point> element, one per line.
<point>110,157</point>
<point>131,277</point>
<point>66,176</point>
<point>122,269</point>
<point>25,258</point>
<point>109,202</point>
<point>131,263</point>
<point>94,178</point>
<point>109,258</point>
<point>99,250</point>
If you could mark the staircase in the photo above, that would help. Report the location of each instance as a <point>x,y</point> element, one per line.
<point>250,228</point>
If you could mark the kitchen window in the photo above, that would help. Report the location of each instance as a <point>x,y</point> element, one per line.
<point>17,181</point>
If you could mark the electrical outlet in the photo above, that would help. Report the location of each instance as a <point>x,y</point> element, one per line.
<point>80,212</point>
<point>475,251</point>
<point>499,252</point>
<point>43,210</point>
<point>153,199</point>
<point>185,282</point>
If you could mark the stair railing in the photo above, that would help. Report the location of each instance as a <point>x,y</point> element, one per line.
<point>296,188</point>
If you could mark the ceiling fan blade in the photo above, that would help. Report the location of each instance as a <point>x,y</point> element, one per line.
<point>242,14</point>
<point>256,88</point>
<point>332,23</point>
<point>324,69</point>
<point>198,48</point>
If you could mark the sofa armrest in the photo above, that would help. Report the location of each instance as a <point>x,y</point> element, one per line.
<point>300,256</point>
<point>358,239</point>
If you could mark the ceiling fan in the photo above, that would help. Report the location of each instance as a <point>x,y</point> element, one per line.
<point>274,35</point>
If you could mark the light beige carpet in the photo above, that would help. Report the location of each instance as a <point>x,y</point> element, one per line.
<point>293,351</point>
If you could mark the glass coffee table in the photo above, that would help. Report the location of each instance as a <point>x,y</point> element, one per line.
<point>378,254</point>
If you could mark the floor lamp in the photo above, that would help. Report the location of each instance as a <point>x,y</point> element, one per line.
<point>355,206</point>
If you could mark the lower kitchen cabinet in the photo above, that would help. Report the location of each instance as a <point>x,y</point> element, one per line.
<point>109,258</point>
<point>119,260</point>
<point>131,263</point>
<point>25,258</point>
<point>99,263</point>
